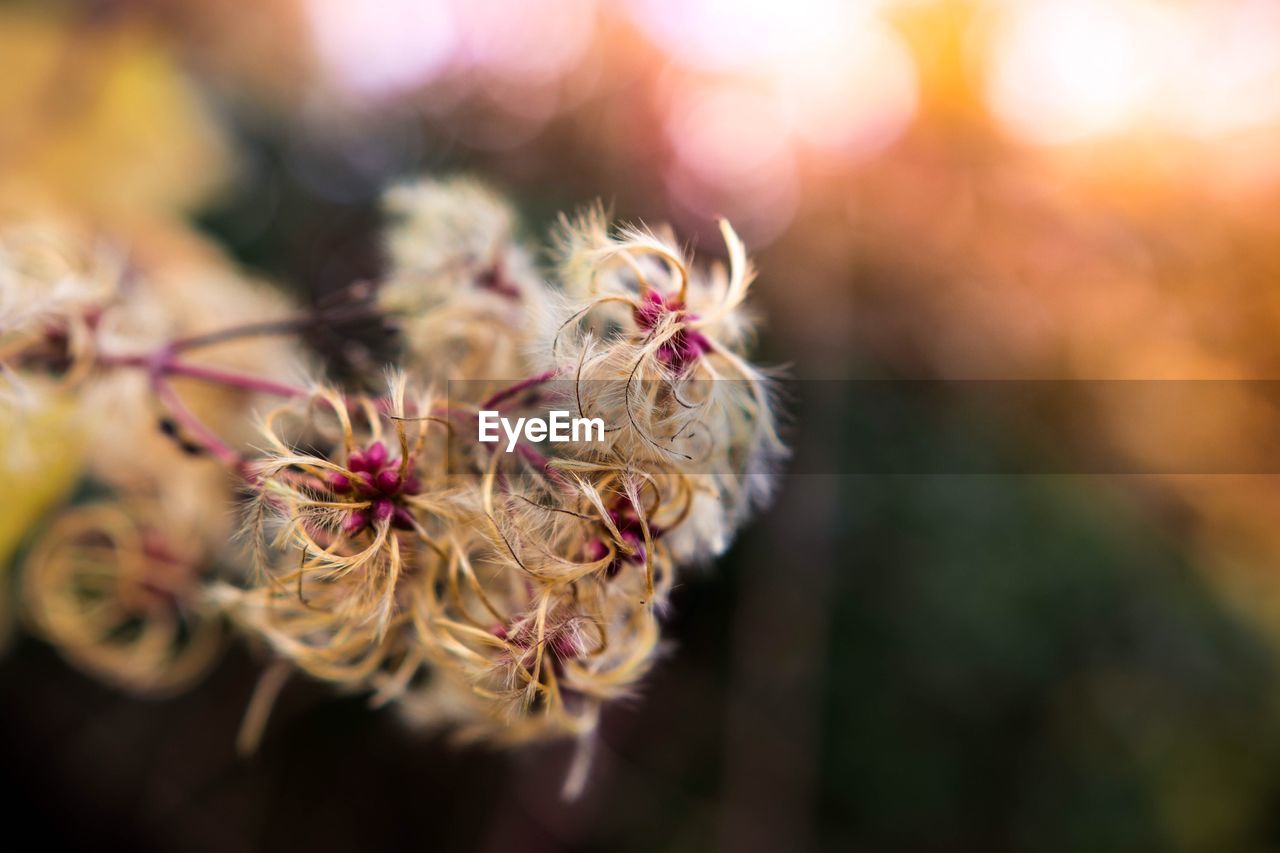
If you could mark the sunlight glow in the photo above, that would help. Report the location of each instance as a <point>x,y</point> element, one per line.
<point>385,47</point>
<point>1062,71</point>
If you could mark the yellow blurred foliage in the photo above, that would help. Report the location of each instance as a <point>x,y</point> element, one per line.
<point>40,459</point>
<point>100,117</point>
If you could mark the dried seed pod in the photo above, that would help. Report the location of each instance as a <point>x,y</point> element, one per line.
<point>341,526</point>
<point>122,599</point>
<point>655,346</point>
<point>460,285</point>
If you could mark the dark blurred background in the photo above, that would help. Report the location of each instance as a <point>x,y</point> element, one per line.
<point>1048,189</point>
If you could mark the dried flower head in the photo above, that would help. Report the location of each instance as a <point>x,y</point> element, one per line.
<point>544,607</point>
<point>76,317</point>
<point>55,282</point>
<point>347,519</point>
<point>460,284</point>
<point>655,346</point>
<point>123,600</point>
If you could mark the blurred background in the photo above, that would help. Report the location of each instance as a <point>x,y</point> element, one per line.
<point>943,189</point>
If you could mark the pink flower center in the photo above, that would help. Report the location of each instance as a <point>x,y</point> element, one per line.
<point>375,477</point>
<point>686,345</point>
<point>628,523</point>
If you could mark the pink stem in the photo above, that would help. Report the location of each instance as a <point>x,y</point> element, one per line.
<point>231,379</point>
<point>207,438</point>
<point>163,363</point>
<point>507,393</point>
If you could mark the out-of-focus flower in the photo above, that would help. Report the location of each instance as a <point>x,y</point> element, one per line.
<point>459,283</point>
<point>118,593</point>
<point>82,313</point>
<point>96,387</point>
